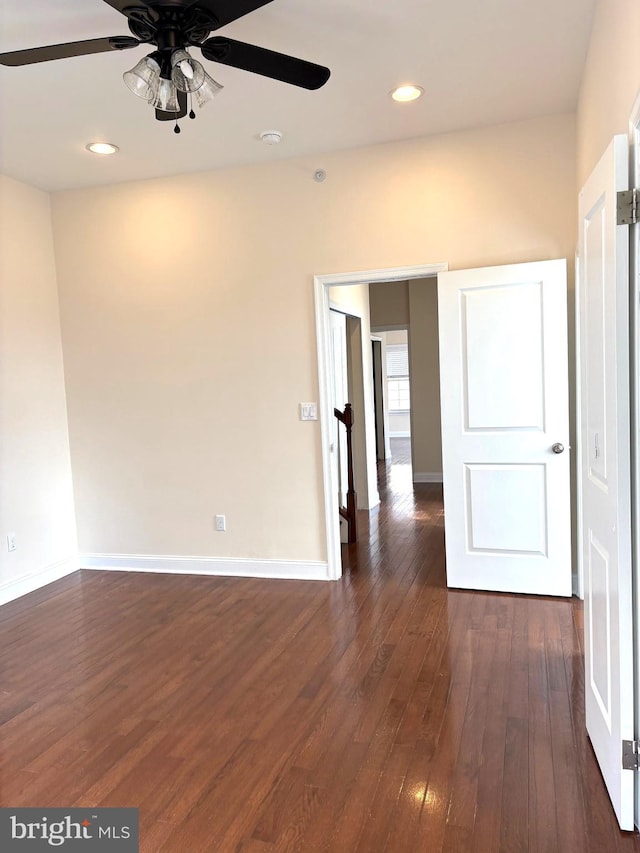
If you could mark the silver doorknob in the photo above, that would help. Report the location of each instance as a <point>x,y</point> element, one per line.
<point>557,447</point>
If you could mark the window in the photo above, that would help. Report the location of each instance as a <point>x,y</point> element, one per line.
<point>398,378</point>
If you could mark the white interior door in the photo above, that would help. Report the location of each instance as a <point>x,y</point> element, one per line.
<point>603,294</point>
<point>505,427</point>
<point>340,397</point>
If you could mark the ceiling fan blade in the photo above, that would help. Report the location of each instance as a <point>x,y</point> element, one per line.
<point>64,51</point>
<point>226,11</point>
<point>161,115</point>
<point>269,63</point>
<point>121,5</point>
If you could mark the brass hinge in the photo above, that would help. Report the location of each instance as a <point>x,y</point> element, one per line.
<point>630,750</point>
<point>628,207</point>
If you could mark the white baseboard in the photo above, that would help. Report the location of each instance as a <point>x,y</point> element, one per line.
<point>29,583</point>
<point>213,566</point>
<point>428,477</point>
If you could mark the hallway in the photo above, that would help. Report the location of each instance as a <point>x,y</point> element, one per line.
<point>378,713</point>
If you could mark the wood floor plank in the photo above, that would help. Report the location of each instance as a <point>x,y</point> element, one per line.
<point>543,832</point>
<point>488,820</point>
<point>381,713</point>
<point>514,828</point>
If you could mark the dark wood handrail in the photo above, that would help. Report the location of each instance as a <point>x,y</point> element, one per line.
<point>349,512</point>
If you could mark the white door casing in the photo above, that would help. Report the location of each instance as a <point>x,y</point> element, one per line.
<point>605,455</point>
<point>378,397</point>
<point>634,287</point>
<point>340,398</point>
<point>504,404</point>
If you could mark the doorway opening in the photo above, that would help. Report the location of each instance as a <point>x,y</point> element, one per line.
<point>392,396</point>
<point>330,291</point>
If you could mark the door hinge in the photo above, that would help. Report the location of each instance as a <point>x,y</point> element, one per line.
<point>627,206</point>
<point>630,750</point>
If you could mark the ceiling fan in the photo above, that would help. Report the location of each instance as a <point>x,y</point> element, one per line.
<point>167,76</point>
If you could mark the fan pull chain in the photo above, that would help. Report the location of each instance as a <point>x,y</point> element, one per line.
<point>176,129</point>
<point>191,112</point>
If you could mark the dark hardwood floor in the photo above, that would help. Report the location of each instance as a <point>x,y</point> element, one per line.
<point>379,713</point>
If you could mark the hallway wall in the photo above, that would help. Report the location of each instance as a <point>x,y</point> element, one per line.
<point>414,304</point>
<point>610,82</point>
<point>36,495</point>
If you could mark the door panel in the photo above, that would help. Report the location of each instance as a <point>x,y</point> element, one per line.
<point>504,403</point>
<point>603,297</point>
<point>513,399</point>
<point>497,522</point>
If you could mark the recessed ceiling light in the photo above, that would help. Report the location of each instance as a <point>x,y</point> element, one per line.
<point>102,148</point>
<point>407,93</point>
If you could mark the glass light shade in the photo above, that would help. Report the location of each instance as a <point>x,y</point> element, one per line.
<point>187,74</point>
<point>207,91</point>
<point>167,97</point>
<point>143,78</point>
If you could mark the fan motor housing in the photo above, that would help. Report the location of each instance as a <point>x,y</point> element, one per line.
<point>170,26</point>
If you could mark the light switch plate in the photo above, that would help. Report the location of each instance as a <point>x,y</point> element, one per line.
<point>308,411</point>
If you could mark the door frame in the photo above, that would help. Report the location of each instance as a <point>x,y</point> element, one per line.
<point>321,285</point>
<point>380,398</point>
<point>634,379</point>
<point>621,692</point>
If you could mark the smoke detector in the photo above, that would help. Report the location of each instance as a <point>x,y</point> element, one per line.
<point>271,137</point>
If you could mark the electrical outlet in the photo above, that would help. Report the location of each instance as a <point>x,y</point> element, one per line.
<point>221,523</point>
<point>11,542</point>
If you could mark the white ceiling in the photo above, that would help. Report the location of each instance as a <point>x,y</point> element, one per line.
<point>480,62</point>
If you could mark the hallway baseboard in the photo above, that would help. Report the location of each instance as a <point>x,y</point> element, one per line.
<point>428,477</point>
<point>226,566</point>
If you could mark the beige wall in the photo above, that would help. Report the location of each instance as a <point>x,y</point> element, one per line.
<point>36,500</point>
<point>396,336</point>
<point>611,80</point>
<point>180,406</point>
<point>426,443</point>
<point>389,302</point>
<point>415,304</point>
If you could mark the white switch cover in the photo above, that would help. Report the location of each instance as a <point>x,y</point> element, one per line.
<point>221,523</point>
<point>11,542</point>
<point>308,411</point>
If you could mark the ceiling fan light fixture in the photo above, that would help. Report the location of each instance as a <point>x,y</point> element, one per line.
<point>187,74</point>
<point>208,90</point>
<point>168,76</point>
<point>143,78</point>
<point>406,93</point>
<point>166,98</point>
